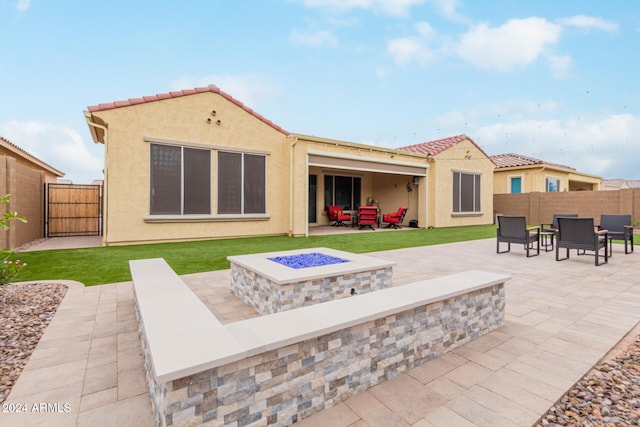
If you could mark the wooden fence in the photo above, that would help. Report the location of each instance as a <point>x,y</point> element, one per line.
<point>74,210</point>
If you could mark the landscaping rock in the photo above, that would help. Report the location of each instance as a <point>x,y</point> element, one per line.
<point>25,312</point>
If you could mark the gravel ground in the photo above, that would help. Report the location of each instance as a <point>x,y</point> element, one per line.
<point>608,395</point>
<point>26,310</point>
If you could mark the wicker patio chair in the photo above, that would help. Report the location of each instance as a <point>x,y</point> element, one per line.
<point>620,228</point>
<point>513,229</point>
<point>581,234</point>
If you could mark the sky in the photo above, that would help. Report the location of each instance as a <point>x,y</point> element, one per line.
<point>554,80</point>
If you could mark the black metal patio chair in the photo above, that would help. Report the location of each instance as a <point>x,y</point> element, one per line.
<point>513,229</point>
<point>620,228</point>
<point>581,234</point>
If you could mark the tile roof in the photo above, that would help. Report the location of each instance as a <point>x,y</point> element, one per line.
<point>614,182</point>
<point>30,157</point>
<point>439,145</point>
<point>177,94</point>
<point>511,160</point>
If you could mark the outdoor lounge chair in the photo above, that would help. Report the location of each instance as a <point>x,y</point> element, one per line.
<point>513,229</point>
<point>367,216</point>
<point>581,234</point>
<point>395,219</point>
<point>620,228</point>
<point>336,214</point>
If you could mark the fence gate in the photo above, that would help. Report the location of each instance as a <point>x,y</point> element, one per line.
<point>73,210</point>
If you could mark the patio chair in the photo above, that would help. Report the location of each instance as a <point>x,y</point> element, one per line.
<point>395,219</point>
<point>581,234</point>
<point>513,229</point>
<point>548,231</point>
<point>336,214</point>
<point>367,216</point>
<point>620,228</point>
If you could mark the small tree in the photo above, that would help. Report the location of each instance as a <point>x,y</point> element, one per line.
<point>9,269</point>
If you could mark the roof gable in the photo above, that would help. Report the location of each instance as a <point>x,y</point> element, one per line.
<point>176,94</point>
<point>439,145</point>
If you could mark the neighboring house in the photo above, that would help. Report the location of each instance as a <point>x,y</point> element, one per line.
<point>516,173</point>
<point>9,149</point>
<point>460,181</point>
<point>198,164</point>
<point>620,184</point>
<point>24,176</point>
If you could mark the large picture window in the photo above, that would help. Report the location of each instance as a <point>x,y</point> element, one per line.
<point>343,191</point>
<point>466,193</point>
<point>241,183</point>
<point>180,180</point>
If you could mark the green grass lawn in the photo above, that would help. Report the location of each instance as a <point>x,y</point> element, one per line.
<point>111,264</point>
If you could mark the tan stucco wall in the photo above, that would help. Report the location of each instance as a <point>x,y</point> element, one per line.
<point>441,179</point>
<point>183,120</point>
<point>534,179</point>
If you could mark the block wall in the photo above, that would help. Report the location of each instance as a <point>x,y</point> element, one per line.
<point>540,207</point>
<point>26,187</point>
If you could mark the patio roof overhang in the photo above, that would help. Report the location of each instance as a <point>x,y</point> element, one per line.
<point>367,164</point>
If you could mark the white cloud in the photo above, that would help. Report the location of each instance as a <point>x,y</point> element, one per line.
<point>22,5</point>
<point>449,9</point>
<point>517,43</point>
<point>560,66</point>
<point>389,7</point>
<point>318,38</point>
<point>250,89</point>
<point>589,22</point>
<point>408,49</point>
<point>59,146</point>
<point>599,145</point>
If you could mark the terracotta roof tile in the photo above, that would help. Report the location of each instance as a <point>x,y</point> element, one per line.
<point>177,94</point>
<point>439,145</point>
<point>511,160</point>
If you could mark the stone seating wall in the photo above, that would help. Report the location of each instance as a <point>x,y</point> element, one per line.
<point>280,368</point>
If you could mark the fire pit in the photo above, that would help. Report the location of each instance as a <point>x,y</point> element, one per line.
<point>277,281</point>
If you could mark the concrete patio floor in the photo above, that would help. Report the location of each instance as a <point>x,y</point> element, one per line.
<point>561,319</point>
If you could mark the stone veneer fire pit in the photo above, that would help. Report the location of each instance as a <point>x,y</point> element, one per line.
<point>265,282</point>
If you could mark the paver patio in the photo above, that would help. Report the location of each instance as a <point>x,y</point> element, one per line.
<point>562,318</point>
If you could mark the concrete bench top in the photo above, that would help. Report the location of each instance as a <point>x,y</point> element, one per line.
<point>185,338</point>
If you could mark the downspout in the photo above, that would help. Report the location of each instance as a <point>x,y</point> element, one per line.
<point>87,117</point>
<point>291,209</point>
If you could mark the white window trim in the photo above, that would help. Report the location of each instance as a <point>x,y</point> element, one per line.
<point>546,187</point>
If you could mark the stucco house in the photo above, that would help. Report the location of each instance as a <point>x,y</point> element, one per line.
<point>516,173</point>
<point>199,164</point>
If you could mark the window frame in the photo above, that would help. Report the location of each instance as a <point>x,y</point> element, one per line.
<point>547,181</point>
<point>153,212</point>
<point>241,185</point>
<point>458,190</point>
